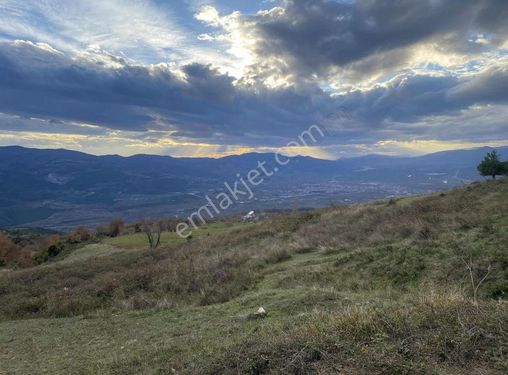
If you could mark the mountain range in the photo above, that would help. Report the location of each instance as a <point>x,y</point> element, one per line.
<point>59,189</point>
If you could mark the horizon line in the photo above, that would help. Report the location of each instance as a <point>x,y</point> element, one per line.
<point>253,153</point>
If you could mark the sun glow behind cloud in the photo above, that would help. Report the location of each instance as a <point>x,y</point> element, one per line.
<point>199,78</point>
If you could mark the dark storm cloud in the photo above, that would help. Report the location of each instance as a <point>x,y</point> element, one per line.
<point>315,36</point>
<point>408,99</point>
<point>405,98</point>
<point>36,81</point>
<point>492,16</point>
<point>16,123</point>
<point>490,86</point>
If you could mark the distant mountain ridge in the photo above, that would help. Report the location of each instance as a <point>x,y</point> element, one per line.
<point>58,188</point>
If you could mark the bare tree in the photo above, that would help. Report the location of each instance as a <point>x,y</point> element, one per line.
<point>153,233</point>
<point>475,284</point>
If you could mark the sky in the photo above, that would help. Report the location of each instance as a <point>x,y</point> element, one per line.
<point>221,77</point>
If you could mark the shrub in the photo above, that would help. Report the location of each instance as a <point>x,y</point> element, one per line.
<point>51,247</point>
<point>116,227</point>
<point>13,255</point>
<point>113,229</point>
<point>80,234</point>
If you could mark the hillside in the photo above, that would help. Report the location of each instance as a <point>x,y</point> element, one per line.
<point>373,288</point>
<point>60,189</point>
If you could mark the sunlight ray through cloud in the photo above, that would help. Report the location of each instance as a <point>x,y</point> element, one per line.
<point>237,74</point>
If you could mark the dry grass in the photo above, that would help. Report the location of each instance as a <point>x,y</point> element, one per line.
<point>389,243</point>
<point>343,287</point>
<point>435,333</point>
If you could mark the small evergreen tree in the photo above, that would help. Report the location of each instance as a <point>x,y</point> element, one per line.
<point>492,166</point>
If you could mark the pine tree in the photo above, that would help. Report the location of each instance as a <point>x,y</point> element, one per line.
<point>492,166</point>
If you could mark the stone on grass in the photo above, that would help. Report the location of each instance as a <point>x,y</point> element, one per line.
<point>261,313</point>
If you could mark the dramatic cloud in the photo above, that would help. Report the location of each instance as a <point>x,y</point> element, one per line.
<point>489,86</point>
<point>305,38</point>
<point>198,75</point>
<point>194,101</point>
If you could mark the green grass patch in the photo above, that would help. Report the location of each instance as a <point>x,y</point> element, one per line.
<point>373,288</point>
<point>139,240</point>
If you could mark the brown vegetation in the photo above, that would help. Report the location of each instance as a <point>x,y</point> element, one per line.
<point>13,255</point>
<point>78,235</point>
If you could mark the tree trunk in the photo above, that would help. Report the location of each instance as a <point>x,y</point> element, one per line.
<point>493,176</point>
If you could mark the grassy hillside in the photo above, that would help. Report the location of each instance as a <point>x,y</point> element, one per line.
<point>381,288</point>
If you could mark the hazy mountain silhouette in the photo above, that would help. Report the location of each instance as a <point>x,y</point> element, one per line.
<point>38,186</point>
